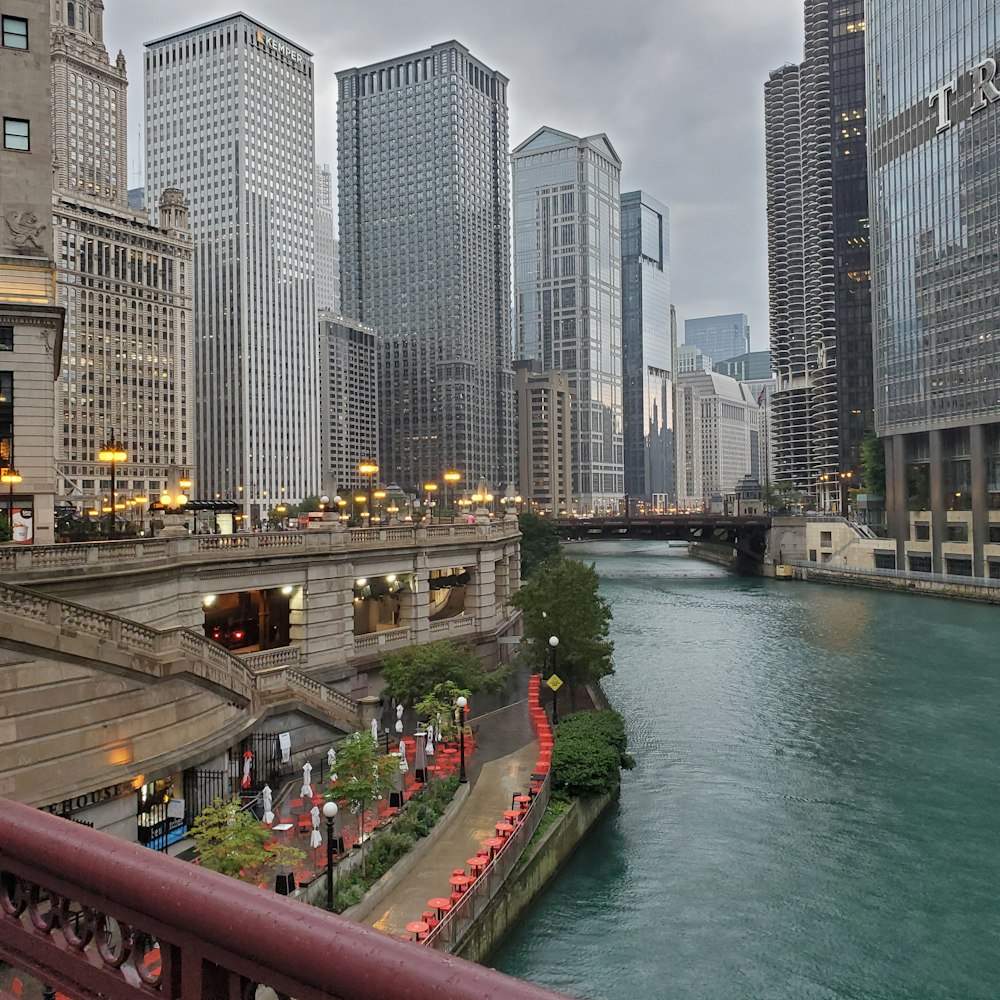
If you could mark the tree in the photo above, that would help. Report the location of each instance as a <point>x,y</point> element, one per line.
<point>539,542</point>
<point>873,463</point>
<point>231,841</point>
<point>440,703</point>
<point>781,495</point>
<point>414,672</point>
<point>364,775</point>
<point>562,599</point>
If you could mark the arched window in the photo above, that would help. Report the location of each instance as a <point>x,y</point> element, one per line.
<point>71,14</point>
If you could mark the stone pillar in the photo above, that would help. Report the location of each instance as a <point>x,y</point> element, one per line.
<point>514,570</point>
<point>413,608</point>
<point>297,631</point>
<point>939,510</point>
<point>897,515</point>
<point>980,505</point>
<point>502,582</point>
<point>368,706</point>
<point>480,595</point>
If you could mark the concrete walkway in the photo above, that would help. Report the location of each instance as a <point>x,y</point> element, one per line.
<point>501,765</point>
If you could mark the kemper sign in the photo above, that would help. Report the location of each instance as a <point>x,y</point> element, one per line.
<point>278,48</point>
<point>984,92</point>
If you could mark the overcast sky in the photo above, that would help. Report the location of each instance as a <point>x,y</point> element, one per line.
<point>676,84</point>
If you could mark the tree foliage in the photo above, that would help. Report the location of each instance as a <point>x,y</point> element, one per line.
<point>873,463</point>
<point>538,542</point>
<point>413,673</point>
<point>440,703</point>
<point>589,752</point>
<point>230,840</point>
<point>562,599</point>
<point>781,495</point>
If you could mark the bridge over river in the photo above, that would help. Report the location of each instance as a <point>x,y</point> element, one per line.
<point>746,534</point>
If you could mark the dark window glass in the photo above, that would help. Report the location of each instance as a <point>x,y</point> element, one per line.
<point>885,560</point>
<point>958,567</point>
<point>6,417</point>
<point>920,564</point>
<point>6,338</point>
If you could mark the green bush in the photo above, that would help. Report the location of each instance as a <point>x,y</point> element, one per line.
<point>588,754</point>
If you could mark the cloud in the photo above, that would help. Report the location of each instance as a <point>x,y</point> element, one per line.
<point>676,84</point>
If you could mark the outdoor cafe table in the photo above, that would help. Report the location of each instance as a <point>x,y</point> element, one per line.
<point>460,882</point>
<point>494,844</point>
<point>505,829</point>
<point>512,815</point>
<point>524,801</point>
<point>417,928</point>
<point>476,865</point>
<point>441,904</point>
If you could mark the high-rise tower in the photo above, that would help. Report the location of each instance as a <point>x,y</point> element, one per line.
<point>126,285</point>
<point>229,118</point>
<point>819,253</point>
<point>647,351</point>
<point>568,293</point>
<point>425,257</point>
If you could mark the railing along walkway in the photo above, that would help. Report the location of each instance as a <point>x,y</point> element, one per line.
<point>91,915</point>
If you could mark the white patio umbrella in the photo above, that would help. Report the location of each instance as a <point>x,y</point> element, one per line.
<point>331,758</point>
<point>429,749</point>
<point>315,838</point>
<point>307,788</point>
<point>438,735</point>
<point>375,730</point>
<point>265,795</point>
<point>403,766</point>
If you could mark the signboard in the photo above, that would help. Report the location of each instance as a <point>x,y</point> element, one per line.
<point>555,682</point>
<point>285,742</point>
<point>278,48</point>
<point>24,525</point>
<point>984,91</point>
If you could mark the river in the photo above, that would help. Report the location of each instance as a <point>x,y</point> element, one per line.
<point>815,810</point>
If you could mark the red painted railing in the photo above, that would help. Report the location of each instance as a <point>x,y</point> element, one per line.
<point>94,916</point>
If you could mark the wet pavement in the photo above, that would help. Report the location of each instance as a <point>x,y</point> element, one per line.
<point>501,765</point>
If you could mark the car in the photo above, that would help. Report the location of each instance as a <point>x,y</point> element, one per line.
<point>234,636</point>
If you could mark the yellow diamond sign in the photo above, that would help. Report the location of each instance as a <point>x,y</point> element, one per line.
<point>555,682</point>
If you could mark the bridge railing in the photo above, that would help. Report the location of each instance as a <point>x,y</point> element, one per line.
<point>91,915</point>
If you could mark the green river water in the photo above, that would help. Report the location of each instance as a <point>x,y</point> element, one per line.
<point>815,811</point>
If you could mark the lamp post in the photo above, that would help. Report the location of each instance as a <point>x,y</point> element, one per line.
<point>553,646</point>
<point>113,451</point>
<point>330,812</point>
<point>845,484</point>
<point>461,701</point>
<point>430,489</point>
<point>368,469</point>
<point>379,496</point>
<point>452,478</point>
<point>10,477</point>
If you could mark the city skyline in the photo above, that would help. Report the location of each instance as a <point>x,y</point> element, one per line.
<point>681,149</point>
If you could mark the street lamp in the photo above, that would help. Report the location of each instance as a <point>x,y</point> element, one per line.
<point>845,482</point>
<point>361,500</point>
<point>10,477</point>
<point>330,812</point>
<point>430,489</point>
<point>113,451</point>
<point>461,701</point>
<point>379,495</point>
<point>369,469</point>
<point>452,477</point>
<point>553,646</point>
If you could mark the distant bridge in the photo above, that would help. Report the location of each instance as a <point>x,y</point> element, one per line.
<point>746,534</point>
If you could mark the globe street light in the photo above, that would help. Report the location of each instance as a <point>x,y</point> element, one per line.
<point>452,477</point>
<point>430,489</point>
<point>330,812</point>
<point>368,469</point>
<point>553,646</point>
<point>113,451</point>
<point>461,701</point>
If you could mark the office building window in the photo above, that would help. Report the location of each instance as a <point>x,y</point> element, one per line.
<point>15,134</point>
<point>15,32</point>
<point>6,338</point>
<point>6,417</point>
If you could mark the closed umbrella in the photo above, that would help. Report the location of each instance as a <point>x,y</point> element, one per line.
<point>375,730</point>
<point>265,795</point>
<point>307,788</point>
<point>403,766</point>
<point>315,838</point>
<point>399,718</point>
<point>430,742</point>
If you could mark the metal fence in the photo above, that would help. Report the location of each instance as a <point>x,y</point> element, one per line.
<point>447,935</point>
<point>201,789</point>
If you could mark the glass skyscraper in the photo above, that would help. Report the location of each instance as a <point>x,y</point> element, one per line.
<point>567,294</point>
<point>719,337</point>
<point>934,105</point>
<point>229,119</point>
<point>424,199</point>
<point>647,351</point>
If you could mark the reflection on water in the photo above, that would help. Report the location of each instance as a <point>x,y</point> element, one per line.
<point>814,813</point>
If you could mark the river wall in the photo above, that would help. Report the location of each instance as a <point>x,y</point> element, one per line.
<point>539,865</point>
<point>982,593</point>
<point>719,555</point>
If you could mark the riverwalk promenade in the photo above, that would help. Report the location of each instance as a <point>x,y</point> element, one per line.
<point>500,767</point>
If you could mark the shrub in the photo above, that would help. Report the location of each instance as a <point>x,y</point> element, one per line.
<point>588,754</point>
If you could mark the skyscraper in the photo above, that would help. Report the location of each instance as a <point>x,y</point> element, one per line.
<point>719,337</point>
<point>819,254</point>
<point>126,285</point>
<point>229,118</point>
<point>425,257</point>
<point>31,324</point>
<point>647,352</point>
<point>934,106</point>
<point>567,293</point>
<point>327,250</point>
